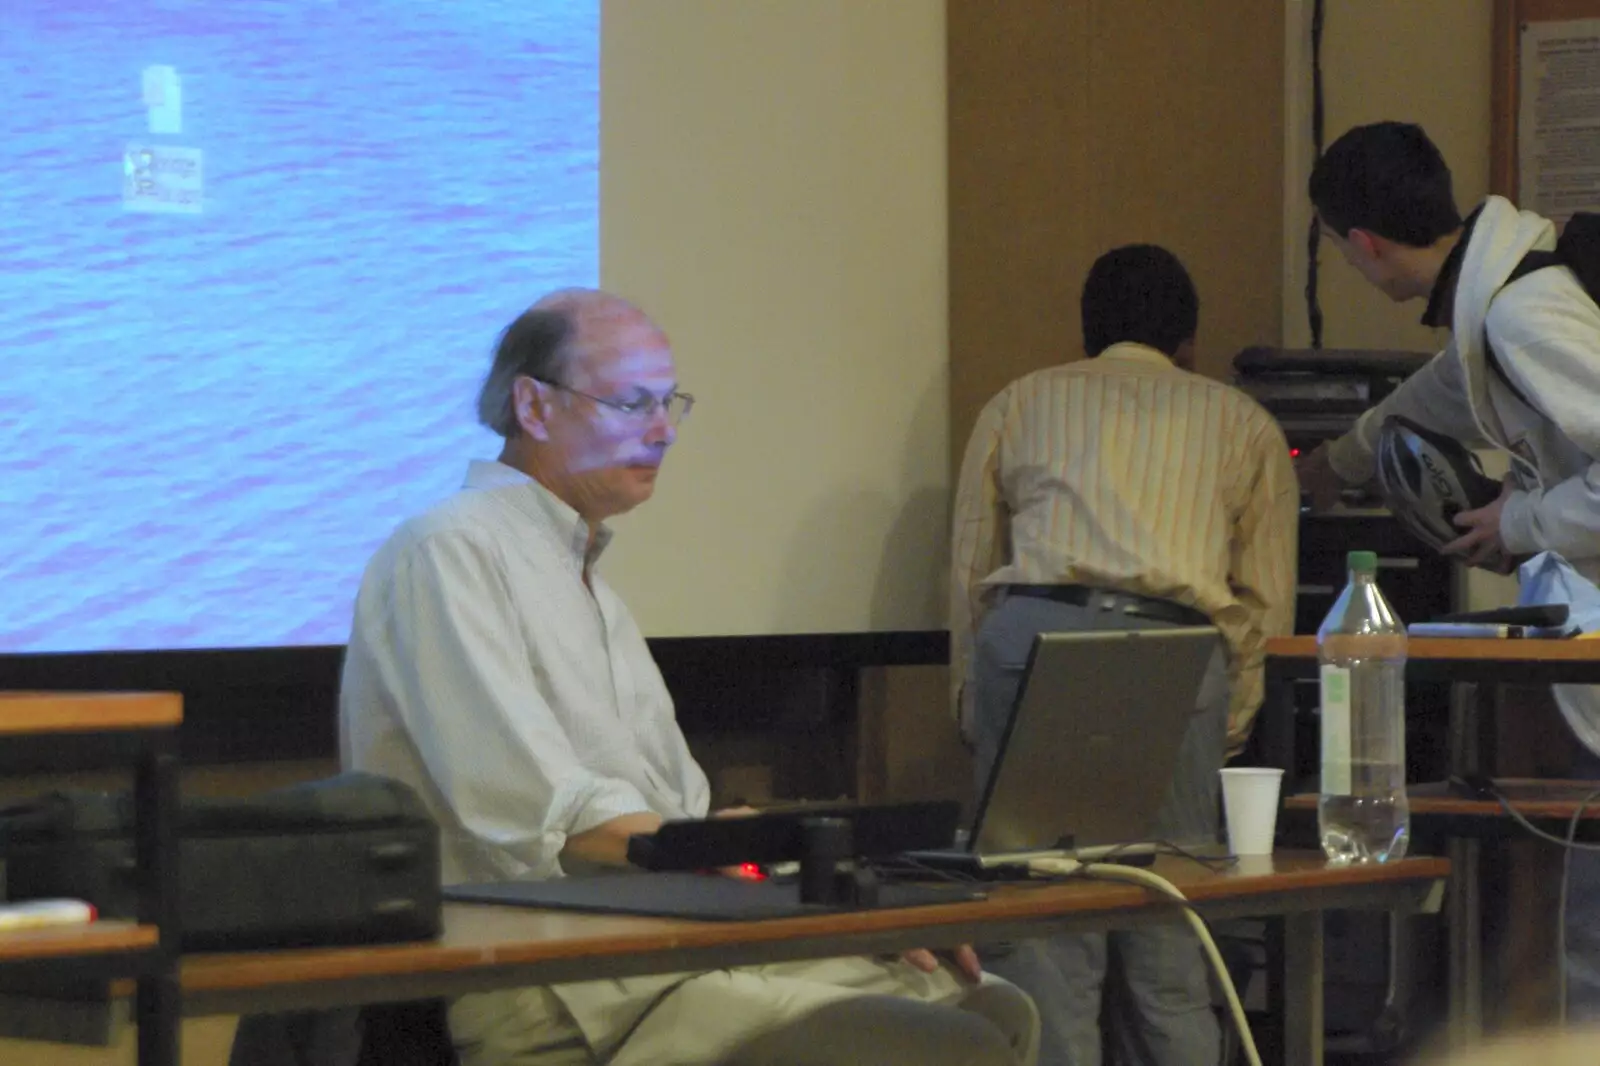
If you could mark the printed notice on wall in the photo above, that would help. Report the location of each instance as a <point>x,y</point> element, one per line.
<point>1558,118</point>
<point>162,179</point>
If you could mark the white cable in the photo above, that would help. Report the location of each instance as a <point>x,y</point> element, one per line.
<point>1561,907</point>
<point>1139,876</point>
<point>1570,843</point>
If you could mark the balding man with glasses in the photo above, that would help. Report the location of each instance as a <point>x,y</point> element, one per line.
<point>492,669</point>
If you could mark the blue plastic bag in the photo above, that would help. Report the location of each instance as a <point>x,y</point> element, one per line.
<point>1548,578</point>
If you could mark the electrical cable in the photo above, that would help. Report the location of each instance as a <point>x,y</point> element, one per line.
<point>1147,879</point>
<point>1313,305</point>
<point>1568,844</point>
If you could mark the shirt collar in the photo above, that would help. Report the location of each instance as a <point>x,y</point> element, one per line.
<point>1436,314</point>
<point>1133,352</point>
<point>541,505</point>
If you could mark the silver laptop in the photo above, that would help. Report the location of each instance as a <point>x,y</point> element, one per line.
<point>1089,753</point>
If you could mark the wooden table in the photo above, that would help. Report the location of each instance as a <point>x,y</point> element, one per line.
<point>1548,803</point>
<point>486,947</point>
<point>23,713</point>
<point>1439,808</point>
<point>1488,665</point>
<point>145,724</point>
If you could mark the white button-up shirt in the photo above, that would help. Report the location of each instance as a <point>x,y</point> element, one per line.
<point>521,704</point>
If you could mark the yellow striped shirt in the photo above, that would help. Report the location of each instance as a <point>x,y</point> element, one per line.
<point>1125,472</point>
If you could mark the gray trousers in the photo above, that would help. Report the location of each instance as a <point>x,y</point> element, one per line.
<point>814,1012</point>
<point>1158,994</point>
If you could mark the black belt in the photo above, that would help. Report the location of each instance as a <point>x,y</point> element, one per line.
<point>1114,601</point>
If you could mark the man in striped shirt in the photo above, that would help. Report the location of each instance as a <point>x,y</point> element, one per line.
<point>1124,492</point>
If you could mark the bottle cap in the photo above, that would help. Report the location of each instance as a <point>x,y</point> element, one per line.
<point>1362,562</point>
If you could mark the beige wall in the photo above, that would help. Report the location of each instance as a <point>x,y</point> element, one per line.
<point>773,191</point>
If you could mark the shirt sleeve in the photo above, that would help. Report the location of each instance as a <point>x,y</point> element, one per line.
<point>463,685</point>
<point>1262,573</point>
<point>655,701</point>
<point>1554,364</point>
<point>980,536</point>
<point>1564,518</point>
<point>1435,397</point>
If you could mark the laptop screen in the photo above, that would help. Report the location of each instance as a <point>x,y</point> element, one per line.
<point>1092,741</point>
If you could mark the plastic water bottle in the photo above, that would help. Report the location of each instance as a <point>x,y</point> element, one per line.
<point>1362,814</point>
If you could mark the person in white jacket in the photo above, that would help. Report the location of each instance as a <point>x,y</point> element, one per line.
<point>1521,373</point>
<point>1383,195</point>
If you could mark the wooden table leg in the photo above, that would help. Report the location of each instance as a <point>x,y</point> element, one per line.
<point>1464,932</point>
<point>157,996</point>
<point>1303,1034</point>
<point>1470,707</point>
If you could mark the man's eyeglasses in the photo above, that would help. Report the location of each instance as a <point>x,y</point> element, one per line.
<point>676,404</point>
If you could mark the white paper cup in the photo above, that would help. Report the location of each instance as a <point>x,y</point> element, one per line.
<point>1250,802</point>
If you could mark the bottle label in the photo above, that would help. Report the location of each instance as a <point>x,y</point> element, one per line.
<point>1335,731</point>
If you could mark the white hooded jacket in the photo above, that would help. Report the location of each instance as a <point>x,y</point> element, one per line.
<point>1546,336</point>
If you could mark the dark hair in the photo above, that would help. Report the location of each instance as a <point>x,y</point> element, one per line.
<point>1386,178</point>
<point>1140,293</point>
<point>533,345</point>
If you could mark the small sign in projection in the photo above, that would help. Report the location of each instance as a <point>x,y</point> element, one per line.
<point>163,99</point>
<point>162,179</point>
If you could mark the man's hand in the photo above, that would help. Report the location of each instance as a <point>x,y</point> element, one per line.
<point>607,843</point>
<point>1481,545</point>
<point>964,958</point>
<point>1318,479</point>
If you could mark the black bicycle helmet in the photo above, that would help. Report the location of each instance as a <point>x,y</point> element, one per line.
<point>1427,479</point>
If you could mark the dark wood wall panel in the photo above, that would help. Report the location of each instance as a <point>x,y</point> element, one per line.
<point>1075,127</point>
